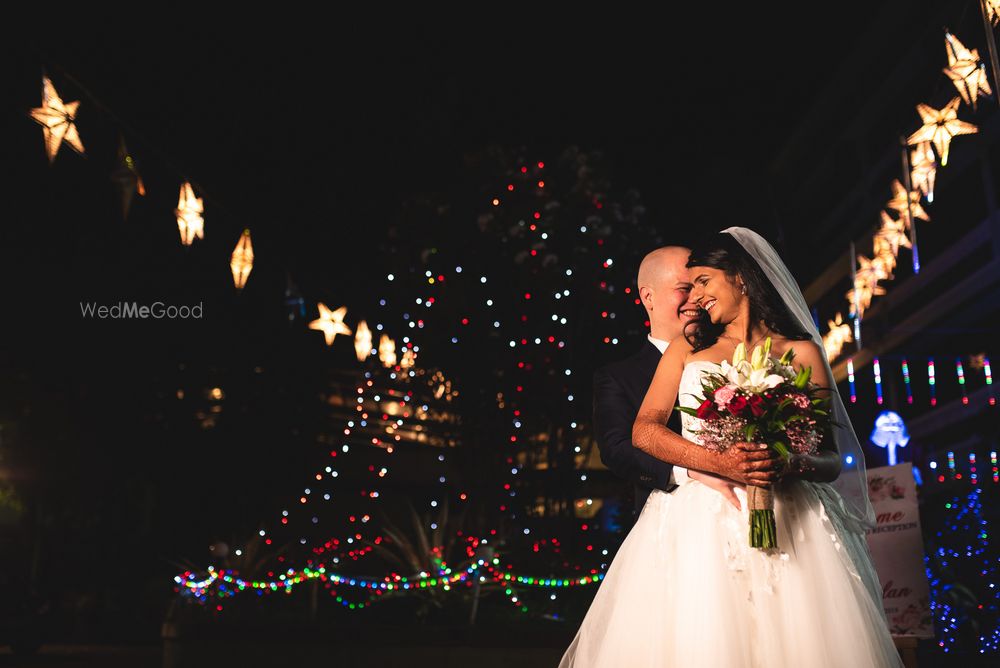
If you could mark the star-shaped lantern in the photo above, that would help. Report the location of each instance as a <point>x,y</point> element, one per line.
<point>58,121</point>
<point>940,126</point>
<point>923,169</point>
<point>362,341</point>
<point>965,70</point>
<point>387,351</point>
<point>890,236</point>
<point>992,10</point>
<point>330,323</point>
<point>241,261</point>
<point>839,334</point>
<point>898,203</point>
<point>190,222</point>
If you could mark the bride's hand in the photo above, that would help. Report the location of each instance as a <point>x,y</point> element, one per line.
<point>723,486</point>
<point>751,464</point>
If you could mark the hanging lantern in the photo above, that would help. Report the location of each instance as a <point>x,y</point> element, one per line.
<point>839,334</point>
<point>190,222</point>
<point>965,70</point>
<point>906,207</point>
<point>940,126</point>
<point>387,351</point>
<point>241,261</point>
<point>362,341</point>
<point>58,121</point>
<point>330,323</point>
<point>923,169</point>
<point>992,10</point>
<point>126,177</point>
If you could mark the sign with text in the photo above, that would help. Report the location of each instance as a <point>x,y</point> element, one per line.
<point>897,548</point>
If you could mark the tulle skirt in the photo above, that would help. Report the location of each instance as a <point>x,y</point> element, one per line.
<point>685,589</point>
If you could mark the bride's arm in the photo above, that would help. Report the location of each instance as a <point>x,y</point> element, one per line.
<point>747,463</point>
<point>824,466</point>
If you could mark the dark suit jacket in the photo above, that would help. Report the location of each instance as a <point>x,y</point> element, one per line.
<point>619,389</point>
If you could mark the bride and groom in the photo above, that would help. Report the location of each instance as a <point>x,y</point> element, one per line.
<point>685,588</point>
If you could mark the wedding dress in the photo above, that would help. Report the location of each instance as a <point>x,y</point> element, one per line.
<point>686,589</point>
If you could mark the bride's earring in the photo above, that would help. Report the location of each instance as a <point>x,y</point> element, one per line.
<point>743,288</point>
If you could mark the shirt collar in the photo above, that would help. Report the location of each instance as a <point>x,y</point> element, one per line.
<point>660,344</point>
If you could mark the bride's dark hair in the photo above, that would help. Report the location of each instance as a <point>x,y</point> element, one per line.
<point>725,253</point>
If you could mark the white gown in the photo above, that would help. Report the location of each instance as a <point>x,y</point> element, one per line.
<point>686,589</point>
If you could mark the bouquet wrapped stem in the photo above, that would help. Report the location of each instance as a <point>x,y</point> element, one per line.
<point>763,531</point>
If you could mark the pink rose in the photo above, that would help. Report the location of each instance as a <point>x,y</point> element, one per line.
<point>724,395</point>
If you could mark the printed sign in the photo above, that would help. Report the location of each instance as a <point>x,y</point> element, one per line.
<point>898,551</point>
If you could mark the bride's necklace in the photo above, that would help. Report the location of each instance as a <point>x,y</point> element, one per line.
<point>737,342</point>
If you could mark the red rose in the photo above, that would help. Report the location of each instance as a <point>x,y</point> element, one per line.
<point>737,404</point>
<point>707,410</point>
<point>756,405</point>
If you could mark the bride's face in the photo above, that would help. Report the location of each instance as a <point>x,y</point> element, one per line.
<point>717,293</point>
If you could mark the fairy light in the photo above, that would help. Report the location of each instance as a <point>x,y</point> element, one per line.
<point>878,381</point>
<point>951,465</point>
<point>993,465</point>
<point>960,371</point>
<point>930,380</point>
<point>973,476</point>
<point>906,382</point>
<point>850,380</point>
<point>989,380</point>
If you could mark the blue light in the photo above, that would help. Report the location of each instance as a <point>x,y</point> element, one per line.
<point>849,459</point>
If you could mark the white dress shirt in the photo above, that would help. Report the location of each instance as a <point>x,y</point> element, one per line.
<point>660,344</point>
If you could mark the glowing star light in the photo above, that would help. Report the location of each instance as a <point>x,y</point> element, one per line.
<point>993,11</point>
<point>891,236</point>
<point>387,351</point>
<point>923,169</point>
<point>241,261</point>
<point>898,203</point>
<point>58,121</point>
<point>839,334</point>
<point>940,126</point>
<point>330,323</point>
<point>965,70</point>
<point>189,219</point>
<point>362,341</point>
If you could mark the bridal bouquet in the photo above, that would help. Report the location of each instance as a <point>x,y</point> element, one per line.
<point>761,400</point>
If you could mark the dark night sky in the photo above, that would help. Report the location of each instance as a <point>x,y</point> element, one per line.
<point>315,135</point>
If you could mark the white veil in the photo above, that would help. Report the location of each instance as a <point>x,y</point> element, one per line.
<point>852,483</point>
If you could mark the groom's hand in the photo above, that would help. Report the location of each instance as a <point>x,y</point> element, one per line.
<point>751,464</point>
<point>723,486</point>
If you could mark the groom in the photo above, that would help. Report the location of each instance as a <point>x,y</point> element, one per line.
<point>620,387</point>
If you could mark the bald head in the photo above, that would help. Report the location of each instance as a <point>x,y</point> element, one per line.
<point>662,266</point>
<point>664,289</point>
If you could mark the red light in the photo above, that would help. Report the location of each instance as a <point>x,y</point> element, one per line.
<point>527,295</point>
<point>524,170</point>
<point>537,215</point>
<point>465,321</point>
<point>510,187</point>
<point>541,184</point>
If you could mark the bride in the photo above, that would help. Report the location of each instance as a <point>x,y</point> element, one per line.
<point>685,588</point>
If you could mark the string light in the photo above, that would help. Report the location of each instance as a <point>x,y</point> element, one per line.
<point>906,382</point>
<point>878,381</point>
<point>850,380</point>
<point>989,380</point>
<point>960,371</point>
<point>931,381</point>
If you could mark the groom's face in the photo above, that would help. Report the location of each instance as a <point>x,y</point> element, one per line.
<point>679,307</point>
